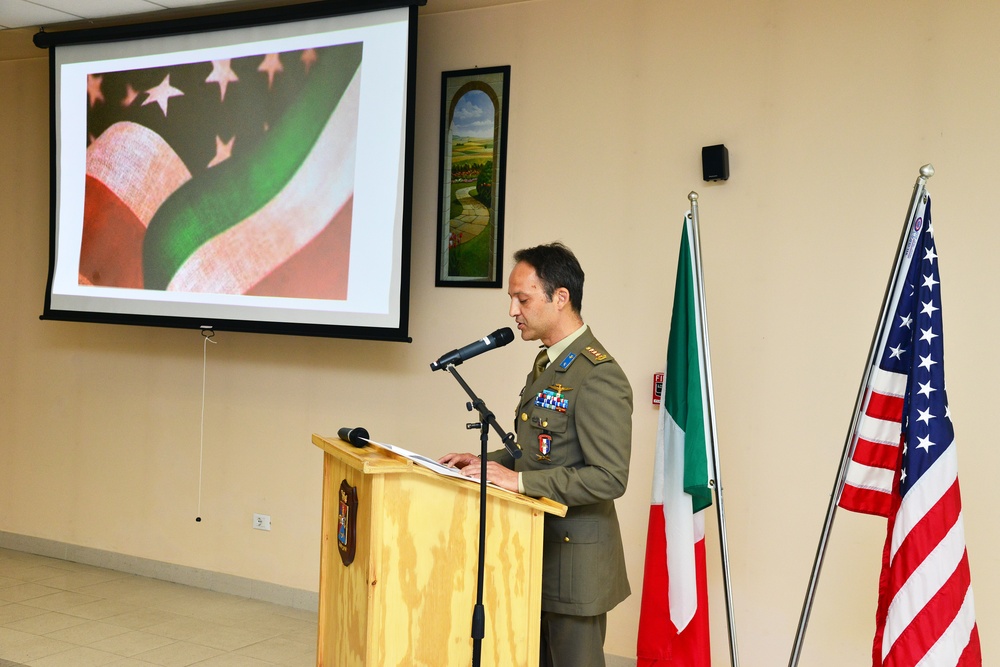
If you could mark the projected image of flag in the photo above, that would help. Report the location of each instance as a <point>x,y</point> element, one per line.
<point>231,176</point>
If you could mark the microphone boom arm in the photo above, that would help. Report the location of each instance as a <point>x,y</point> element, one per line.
<point>485,414</point>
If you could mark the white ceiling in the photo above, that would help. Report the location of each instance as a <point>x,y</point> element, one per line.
<point>38,13</point>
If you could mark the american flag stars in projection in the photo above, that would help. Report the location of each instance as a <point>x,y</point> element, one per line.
<point>204,109</point>
<point>222,74</point>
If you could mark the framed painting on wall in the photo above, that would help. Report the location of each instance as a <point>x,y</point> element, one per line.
<point>471,192</point>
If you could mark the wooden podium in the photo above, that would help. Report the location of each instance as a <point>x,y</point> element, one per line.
<point>407,596</point>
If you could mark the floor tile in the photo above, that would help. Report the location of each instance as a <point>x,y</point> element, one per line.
<point>23,592</point>
<point>44,623</point>
<point>228,639</point>
<point>72,581</point>
<point>276,650</point>
<point>57,613</point>
<point>233,660</point>
<point>14,612</point>
<point>132,643</point>
<point>138,619</point>
<point>88,632</point>
<point>183,627</point>
<point>101,609</point>
<point>38,573</point>
<point>77,656</point>
<point>179,654</point>
<point>30,647</point>
<point>60,600</point>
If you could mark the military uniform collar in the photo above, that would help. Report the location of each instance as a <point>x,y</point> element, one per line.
<point>557,350</point>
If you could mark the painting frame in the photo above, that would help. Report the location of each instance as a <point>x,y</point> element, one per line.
<point>470,220</point>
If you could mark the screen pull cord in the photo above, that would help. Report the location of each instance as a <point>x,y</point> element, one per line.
<point>207,334</point>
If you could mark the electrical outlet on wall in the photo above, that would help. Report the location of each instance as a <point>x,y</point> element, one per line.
<point>262,521</point>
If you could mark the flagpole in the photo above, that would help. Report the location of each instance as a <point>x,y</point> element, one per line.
<point>716,480</point>
<point>919,187</point>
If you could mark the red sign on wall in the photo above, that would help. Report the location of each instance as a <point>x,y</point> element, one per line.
<point>657,388</point>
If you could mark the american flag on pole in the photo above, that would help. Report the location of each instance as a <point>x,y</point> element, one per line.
<point>905,467</point>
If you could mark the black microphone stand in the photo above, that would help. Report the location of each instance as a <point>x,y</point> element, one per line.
<point>486,418</point>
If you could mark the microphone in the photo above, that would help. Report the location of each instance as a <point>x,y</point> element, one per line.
<point>498,338</point>
<point>356,436</point>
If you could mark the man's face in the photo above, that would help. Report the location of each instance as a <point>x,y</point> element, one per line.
<point>536,315</point>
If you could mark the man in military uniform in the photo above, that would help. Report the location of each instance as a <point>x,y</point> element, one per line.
<point>574,427</point>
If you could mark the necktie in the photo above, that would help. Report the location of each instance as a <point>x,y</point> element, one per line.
<point>541,361</point>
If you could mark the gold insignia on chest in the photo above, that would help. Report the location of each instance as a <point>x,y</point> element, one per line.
<point>559,389</point>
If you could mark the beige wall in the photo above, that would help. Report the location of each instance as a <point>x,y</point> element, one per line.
<point>828,109</point>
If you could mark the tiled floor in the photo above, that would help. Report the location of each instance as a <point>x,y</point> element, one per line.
<point>55,613</point>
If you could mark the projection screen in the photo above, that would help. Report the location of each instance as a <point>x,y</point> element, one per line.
<point>251,176</point>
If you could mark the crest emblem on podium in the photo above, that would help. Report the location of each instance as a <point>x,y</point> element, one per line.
<point>347,519</point>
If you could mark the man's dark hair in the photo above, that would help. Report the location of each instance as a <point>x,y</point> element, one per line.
<point>556,266</point>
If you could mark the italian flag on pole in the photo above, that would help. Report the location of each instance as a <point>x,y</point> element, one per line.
<point>673,621</point>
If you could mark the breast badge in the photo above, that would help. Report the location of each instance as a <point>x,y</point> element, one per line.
<point>544,447</point>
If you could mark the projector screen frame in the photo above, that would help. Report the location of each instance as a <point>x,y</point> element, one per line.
<point>376,328</point>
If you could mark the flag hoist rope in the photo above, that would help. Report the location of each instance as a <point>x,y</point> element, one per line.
<point>716,481</point>
<point>919,190</point>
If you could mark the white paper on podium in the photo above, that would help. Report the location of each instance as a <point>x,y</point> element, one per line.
<point>422,461</point>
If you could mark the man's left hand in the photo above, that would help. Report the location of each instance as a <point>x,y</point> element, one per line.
<point>496,473</point>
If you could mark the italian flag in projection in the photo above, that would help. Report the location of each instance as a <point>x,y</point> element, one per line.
<point>269,206</point>
<point>239,179</point>
<point>673,621</point>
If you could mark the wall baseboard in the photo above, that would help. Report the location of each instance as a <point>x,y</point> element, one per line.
<point>178,574</point>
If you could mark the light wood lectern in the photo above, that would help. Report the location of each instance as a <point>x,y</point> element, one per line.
<point>407,596</point>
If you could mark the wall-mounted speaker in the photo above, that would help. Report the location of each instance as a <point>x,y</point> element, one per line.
<point>715,163</point>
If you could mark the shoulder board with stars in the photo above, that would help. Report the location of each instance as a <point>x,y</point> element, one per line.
<point>595,355</point>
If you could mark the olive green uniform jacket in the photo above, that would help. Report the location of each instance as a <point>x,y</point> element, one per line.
<point>578,457</point>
